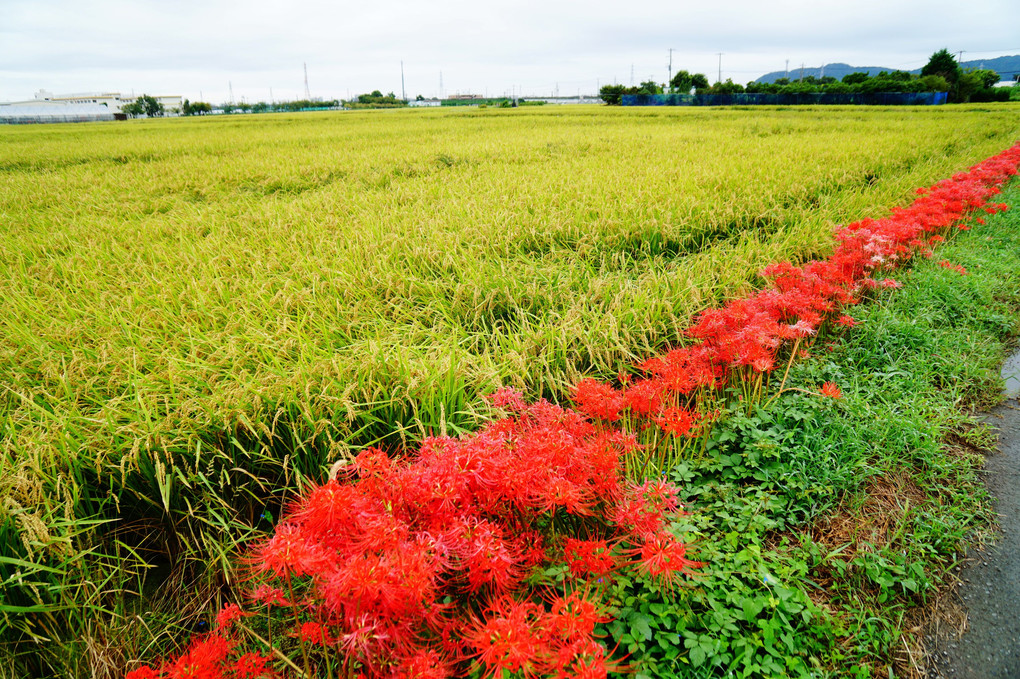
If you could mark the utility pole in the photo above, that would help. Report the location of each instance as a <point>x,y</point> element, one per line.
<point>669,80</point>
<point>231,86</point>
<point>719,79</point>
<point>403,92</point>
<point>787,69</point>
<point>802,71</point>
<point>959,60</point>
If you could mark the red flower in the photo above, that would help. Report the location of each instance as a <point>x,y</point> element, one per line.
<point>959,268</point>
<point>588,557</point>
<point>679,421</point>
<point>508,399</point>
<point>229,614</point>
<point>252,666</point>
<point>663,557</point>
<point>315,633</point>
<point>269,596</point>
<point>203,660</point>
<point>831,390</point>
<point>598,400</point>
<point>846,321</point>
<point>510,639</point>
<point>573,617</point>
<point>289,552</point>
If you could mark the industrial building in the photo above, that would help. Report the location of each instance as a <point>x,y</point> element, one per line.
<point>46,107</point>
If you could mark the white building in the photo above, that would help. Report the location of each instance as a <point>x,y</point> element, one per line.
<point>113,100</point>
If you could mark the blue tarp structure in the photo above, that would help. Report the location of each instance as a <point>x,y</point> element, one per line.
<point>823,98</point>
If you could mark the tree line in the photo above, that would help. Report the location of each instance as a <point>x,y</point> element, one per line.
<point>941,74</point>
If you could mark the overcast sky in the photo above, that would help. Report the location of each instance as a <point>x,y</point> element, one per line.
<point>200,48</point>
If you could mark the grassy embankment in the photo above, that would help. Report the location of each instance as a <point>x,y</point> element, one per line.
<point>200,312</point>
<point>829,527</point>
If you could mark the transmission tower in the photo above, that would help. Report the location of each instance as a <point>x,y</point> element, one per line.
<point>308,94</point>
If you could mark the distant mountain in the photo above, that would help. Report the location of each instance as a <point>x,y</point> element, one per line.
<point>1006,67</point>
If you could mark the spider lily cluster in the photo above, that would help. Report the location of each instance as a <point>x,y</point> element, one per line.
<point>486,555</point>
<point>671,403</point>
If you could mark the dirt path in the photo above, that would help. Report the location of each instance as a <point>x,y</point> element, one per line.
<point>990,589</point>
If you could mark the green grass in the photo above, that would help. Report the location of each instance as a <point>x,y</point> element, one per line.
<point>201,313</point>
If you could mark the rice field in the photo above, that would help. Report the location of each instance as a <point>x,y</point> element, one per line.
<point>200,313</point>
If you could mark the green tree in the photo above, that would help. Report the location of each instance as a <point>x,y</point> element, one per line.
<point>649,87</point>
<point>944,64</point>
<point>728,87</point>
<point>935,83</point>
<point>976,85</point>
<point>798,88</point>
<point>133,109</point>
<point>837,88</point>
<point>150,106</point>
<point>612,94</point>
<point>855,78</point>
<point>988,77</point>
<point>685,81</point>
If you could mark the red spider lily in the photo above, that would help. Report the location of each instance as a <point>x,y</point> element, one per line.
<point>846,321</point>
<point>573,618</point>
<point>423,664</point>
<point>564,493</point>
<point>228,615</point>
<point>959,268</point>
<point>289,552</point>
<point>510,639</point>
<point>588,557</point>
<point>508,399</point>
<point>203,660</point>
<point>314,633</point>
<point>831,390</point>
<point>587,660</point>
<point>269,596</point>
<point>598,400</point>
<point>490,560</point>
<point>661,495</point>
<point>144,672</point>
<point>252,666</point>
<point>664,558</point>
<point>642,511</point>
<point>679,421</point>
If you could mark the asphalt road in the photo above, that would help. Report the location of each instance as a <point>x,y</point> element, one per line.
<point>990,589</point>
